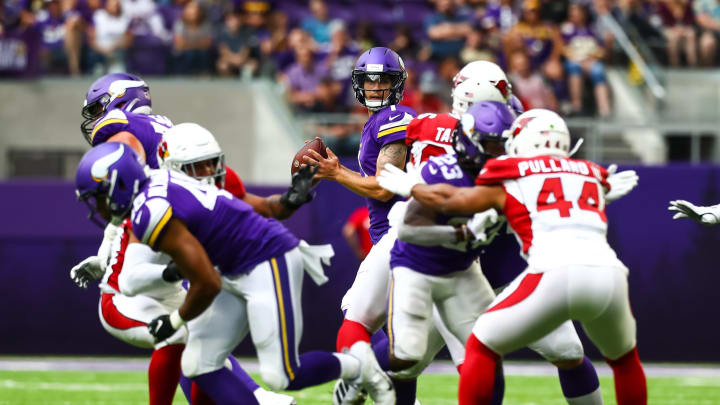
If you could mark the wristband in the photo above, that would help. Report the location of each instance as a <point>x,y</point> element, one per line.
<point>175,320</point>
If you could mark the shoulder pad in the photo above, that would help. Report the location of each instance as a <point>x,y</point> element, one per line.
<point>150,220</point>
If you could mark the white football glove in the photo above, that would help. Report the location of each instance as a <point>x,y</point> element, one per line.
<point>88,270</point>
<point>620,183</point>
<point>480,222</point>
<point>704,215</point>
<point>396,180</point>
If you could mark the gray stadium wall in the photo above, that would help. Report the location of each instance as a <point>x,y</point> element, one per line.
<point>673,267</point>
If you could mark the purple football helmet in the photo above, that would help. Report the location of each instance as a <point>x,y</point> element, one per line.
<point>110,174</point>
<point>479,135</point>
<point>516,104</point>
<point>374,65</point>
<point>112,91</point>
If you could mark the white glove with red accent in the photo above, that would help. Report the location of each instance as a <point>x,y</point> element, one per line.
<point>396,180</point>
<point>620,183</point>
<point>704,215</point>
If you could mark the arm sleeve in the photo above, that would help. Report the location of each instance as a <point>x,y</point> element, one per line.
<point>427,235</point>
<point>141,273</point>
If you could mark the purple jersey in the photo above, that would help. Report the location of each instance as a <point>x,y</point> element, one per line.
<point>235,237</point>
<point>148,129</point>
<point>447,258</point>
<point>383,127</point>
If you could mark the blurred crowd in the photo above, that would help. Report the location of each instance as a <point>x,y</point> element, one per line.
<point>554,51</point>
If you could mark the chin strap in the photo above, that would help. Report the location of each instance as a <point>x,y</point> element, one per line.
<point>576,147</point>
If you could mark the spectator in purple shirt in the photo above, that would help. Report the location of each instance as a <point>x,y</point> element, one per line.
<point>583,56</point>
<point>303,77</point>
<point>51,23</point>
<point>679,29</point>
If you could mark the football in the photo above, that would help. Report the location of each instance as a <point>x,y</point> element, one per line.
<point>316,144</point>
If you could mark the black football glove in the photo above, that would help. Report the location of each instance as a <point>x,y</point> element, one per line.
<point>299,192</point>
<point>161,328</point>
<point>171,273</point>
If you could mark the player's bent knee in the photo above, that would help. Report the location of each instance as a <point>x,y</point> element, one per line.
<point>193,366</point>
<point>400,364</point>
<point>568,364</point>
<point>274,378</point>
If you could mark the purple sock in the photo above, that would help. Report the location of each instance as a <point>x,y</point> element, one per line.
<point>225,388</point>
<point>580,380</point>
<point>381,347</point>
<point>315,368</point>
<point>405,391</point>
<point>240,372</point>
<point>499,386</point>
<point>186,387</point>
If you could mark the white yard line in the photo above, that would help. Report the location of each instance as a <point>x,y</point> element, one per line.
<point>520,368</point>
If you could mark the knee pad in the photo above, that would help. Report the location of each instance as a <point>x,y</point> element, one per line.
<point>274,378</point>
<point>193,365</point>
<point>559,349</point>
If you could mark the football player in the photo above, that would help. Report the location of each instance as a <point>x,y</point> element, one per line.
<point>434,261</point>
<point>260,268</point>
<point>556,207</point>
<point>432,135</point>
<point>377,80</point>
<point>704,215</point>
<point>139,285</point>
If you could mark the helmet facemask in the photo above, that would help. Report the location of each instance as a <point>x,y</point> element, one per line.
<point>391,94</point>
<point>217,162</point>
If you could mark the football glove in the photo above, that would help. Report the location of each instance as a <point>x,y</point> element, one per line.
<point>479,223</point>
<point>704,215</point>
<point>396,180</point>
<point>299,191</point>
<point>165,326</point>
<point>171,273</point>
<point>620,183</point>
<point>88,270</point>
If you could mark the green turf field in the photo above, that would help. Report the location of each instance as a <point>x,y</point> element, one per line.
<point>100,388</point>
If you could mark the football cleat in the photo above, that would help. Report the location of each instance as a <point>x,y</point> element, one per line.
<point>265,397</point>
<point>345,393</point>
<point>372,377</point>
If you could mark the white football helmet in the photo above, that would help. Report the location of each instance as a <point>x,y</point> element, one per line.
<point>187,144</point>
<point>484,70</point>
<point>538,132</point>
<point>473,91</point>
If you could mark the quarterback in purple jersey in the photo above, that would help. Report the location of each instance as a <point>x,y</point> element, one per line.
<point>378,79</point>
<point>259,266</point>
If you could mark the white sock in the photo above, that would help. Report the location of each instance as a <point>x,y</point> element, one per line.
<point>593,398</point>
<point>349,366</point>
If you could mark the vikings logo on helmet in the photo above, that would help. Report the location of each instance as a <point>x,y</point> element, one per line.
<point>109,173</point>
<point>115,90</point>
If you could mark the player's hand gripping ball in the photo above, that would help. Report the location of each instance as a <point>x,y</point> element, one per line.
<point>316,144</point>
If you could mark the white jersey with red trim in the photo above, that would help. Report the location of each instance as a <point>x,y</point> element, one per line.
<point>556,207</point>
<point>430,135</point>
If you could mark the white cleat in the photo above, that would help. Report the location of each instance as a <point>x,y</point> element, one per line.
<point>346,393</point>
<point>372,377</point>
<point>265,397</point>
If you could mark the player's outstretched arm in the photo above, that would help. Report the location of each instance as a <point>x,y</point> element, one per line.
<point>194,264</point>
<point>394,153</point>
<point>704,215</point>
<point>419,227</point>
<point>448,199</point>
<point>282,206</point>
